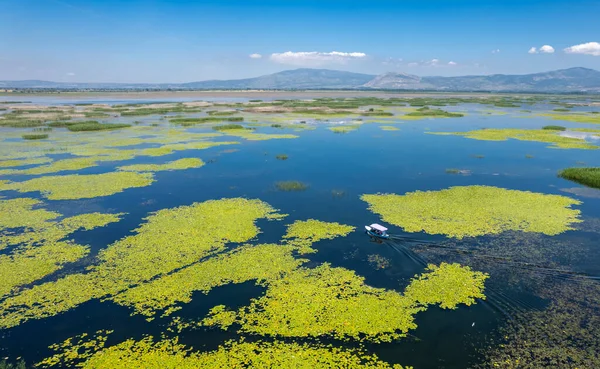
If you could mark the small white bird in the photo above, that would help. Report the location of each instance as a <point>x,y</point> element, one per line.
<point>472,325</point>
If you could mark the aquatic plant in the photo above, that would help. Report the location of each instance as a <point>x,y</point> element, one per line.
<point>586,176</point>
<point>475,211</point>
<point>574,117</point>
<point>95,126</point>
<point>72,351</point>
<point>260,263</point>
<point>452,171</point>
<point>438,286</point>
<point>291,186</point>
<point>336,302</point>
<point>172,355</point>
<point>24,162</point>
<point>20,212</point>
<point>225,127</point>
<point>315,230</point>
<point>169,240</point>
<point>74,186</point>
<point>34,136</point>
<point>389,128</point>
<point>554,128</point>
<point>192,121</point>
<point>378,262</point>
<point>180,164</point>
<point>541,135</point>
<point>281,157</point>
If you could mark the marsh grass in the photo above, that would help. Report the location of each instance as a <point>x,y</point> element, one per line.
<point>21,123</point>
<point>216,113</point>
<point>192,121</point>
<point>586,176</point>
<point>33,136</point>
<point>281,157</point>
<point>95,126</point>
<point>289,186</point>
<point>226,127</point>
<point>554,128</point>
<point>561,110</point>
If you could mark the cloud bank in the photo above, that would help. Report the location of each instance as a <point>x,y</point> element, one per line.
<point>255,56</point>
<point>546,49</point>
<point>590,48</point>
<point>312,58</point>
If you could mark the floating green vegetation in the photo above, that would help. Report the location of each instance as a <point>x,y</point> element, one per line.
<point>562,110</point>
<point>260,263</point>
<point>344,128</point>
<point>72,351</point>
<point>452,171</point>
<point>169,240</point>
<point>95,126</point>
<point>503,134</point>
<point>478,156</point>
<point>389,128</point>
<point>336,302</point>
<point>225,127</point>
<point>378,262</point>
<point>180,164</point>
<point>281,157</point>
<point>554,128</point>
<point>24,162</point>
<point>574,117</point>
<point>586,176</point>
<point>172,355</point>
<point>20,212</point>
<point>41,247</point>
<point>475,211</point>
<point>438,286</point>
<point>529,156</point>
<point>33,136</point>
<point>291,186</point>
<point>67,165</point>
<point>70,187</point>
<point>315,230</point>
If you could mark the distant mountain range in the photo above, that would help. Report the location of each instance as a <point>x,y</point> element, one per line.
<point>564,80</point>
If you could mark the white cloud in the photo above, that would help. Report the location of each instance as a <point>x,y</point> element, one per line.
<point>495,51</point>
<point>434,61</point>
<point>452,63</point>
<point>315,57</point>
<point>590,48</point>
<point>533,50</point>
<point>547,49</point>
<point>70,74</point>
<point>255,56</point>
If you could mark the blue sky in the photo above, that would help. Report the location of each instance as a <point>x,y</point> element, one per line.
<point>180,41</point>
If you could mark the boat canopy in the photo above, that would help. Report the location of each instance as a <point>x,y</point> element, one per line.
<point>378,227</point>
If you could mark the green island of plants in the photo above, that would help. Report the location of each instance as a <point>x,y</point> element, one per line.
<point>586,176</point>
<point>335,302</point>
<point>169,240</point>
<point>469,211</point>
<point>344,128</point>
<point>389,128</point>
<point>180,164</point>
<point>574,117</point>
<point>35,136</point>
<point>502,134</point>
<point>146,352</point>
<point>75,186</point>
